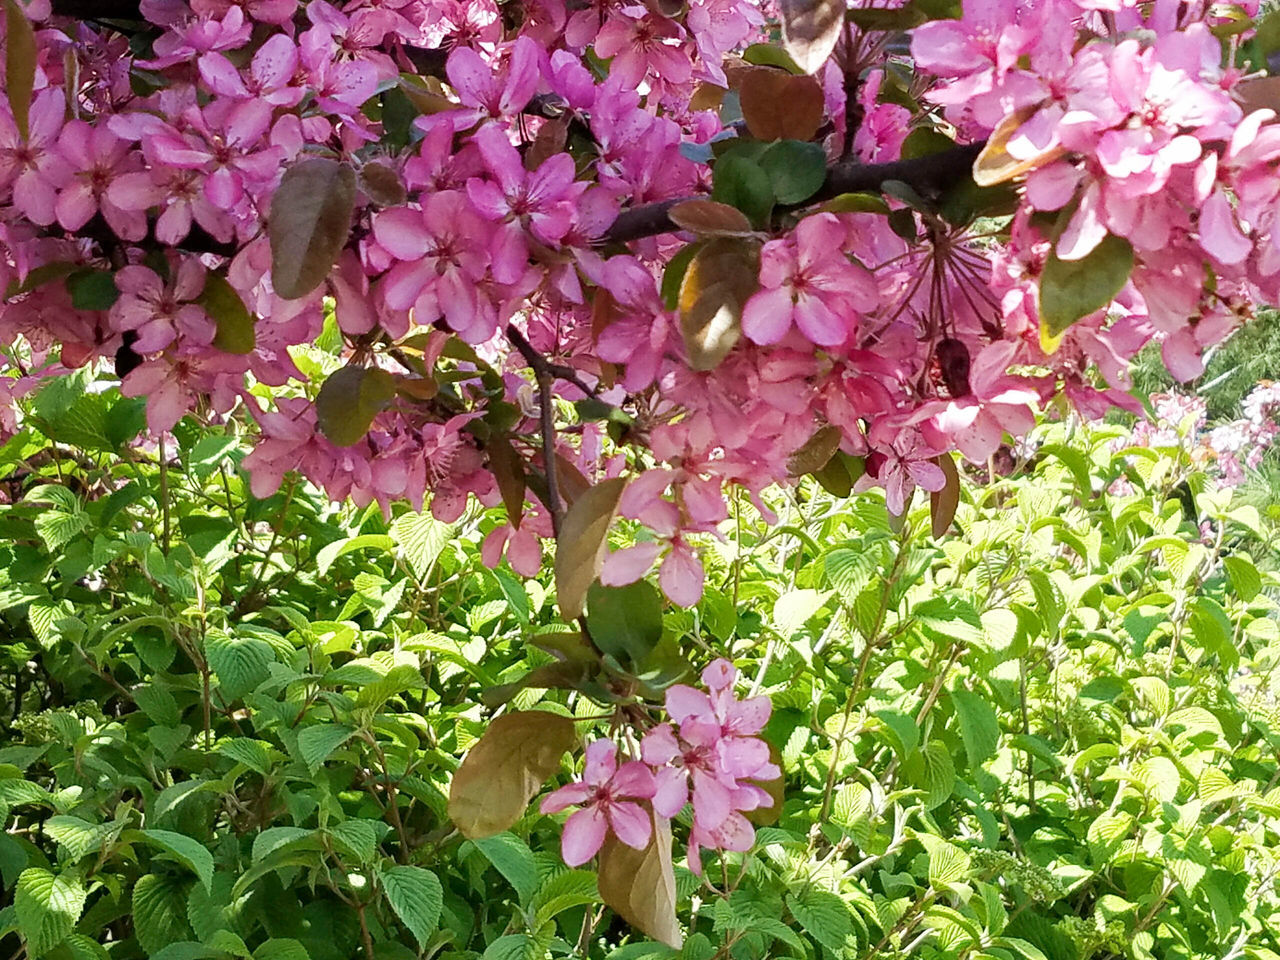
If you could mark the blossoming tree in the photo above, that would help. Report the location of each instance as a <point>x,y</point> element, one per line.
<point>599,258</point>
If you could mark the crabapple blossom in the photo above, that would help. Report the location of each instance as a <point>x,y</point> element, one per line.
<point>606,797</point>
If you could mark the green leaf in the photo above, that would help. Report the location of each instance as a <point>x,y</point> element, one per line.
<point>1073,289</point>
<point>421,537</point>
<point>823,916</point>
<point>187,850</point>
<point>348,401</point>
<point>625,621</point>
<point>768,55</point>
<point>159,912</point>
<point>239,662</point>
<point>744,184</point>
<point>948,863</point>
<point>416,897</point>
<point>514,860</point>
<point>317,742</point>
<point>79,947</point>
<point>360,837</point>
<point>234,323</point>
<point>1245,579</point>
<point>564,891</point>
<point>47,907</point>
<point>979,726</point>
<point>900,731</point>
<point>326,555</point>
<point>92,289</point>
<point>281,948</point>
<point>78,837</point>
<point>796,170</point>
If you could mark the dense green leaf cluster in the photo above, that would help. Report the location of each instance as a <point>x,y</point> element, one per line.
<point>230,725</point>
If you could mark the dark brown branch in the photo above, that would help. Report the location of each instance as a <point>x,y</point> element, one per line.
<point>926,175</point>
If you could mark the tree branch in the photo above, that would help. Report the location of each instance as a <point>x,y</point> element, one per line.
<point>927,174</point>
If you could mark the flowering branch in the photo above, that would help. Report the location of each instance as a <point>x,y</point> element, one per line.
<point>927,174</point>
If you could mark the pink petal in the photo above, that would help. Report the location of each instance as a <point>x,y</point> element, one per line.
<point>631,824</point>
<point>633,779</point>
<point>584,834</point>
<point>629,564</point>
<point>570,795</point>
<point>681,576</point>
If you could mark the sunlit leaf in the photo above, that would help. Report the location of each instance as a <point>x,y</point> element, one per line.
<point>505,768</point>
<point>581,543</point>
<point>810,30</point>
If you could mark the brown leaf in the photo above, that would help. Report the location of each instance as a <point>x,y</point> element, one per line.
<point>780,106</point>
<point>570,480</point>
<point>810,30</point>
<point>994,165</point>
<point>581,545</point>
<point>720,279</point>
<point>427,95</point>
<point>640,885</point>
<point>417,388</point>
<point>549,141</point>
<point>943,503</point>
<point>349,400</point>
<point>707,96</point>
<point>1260,93</point>
<point>816,452</point>
<point>382,184</point>
<point>508,470</point>
<point>508,765</point>
<point>309,223</point>
<point>19,63</point>
<point>567,675</point>
<point>710,219</point>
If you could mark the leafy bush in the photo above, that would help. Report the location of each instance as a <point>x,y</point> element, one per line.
<point>232,724</point>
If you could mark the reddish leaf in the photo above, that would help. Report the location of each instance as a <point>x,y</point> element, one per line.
<point>943,503</point>
<point>508,470</point>
<point>581,545</point>
<point>518,753</point>
<point>640,885</point>
<point>816,452</point>
<point>718,282</point>
<point>349,400</point>
<point>994,165</point>
<point>310,221</point>
<point>780,106</point>
<point>19,63</point>
<point>710,219</point>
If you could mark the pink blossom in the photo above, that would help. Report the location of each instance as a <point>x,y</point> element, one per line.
<point>35,167</point>
<point>161,311</point>
<point>604,796</point>
<point>807,282</point>
<point>99,157</point>
<point>270,74</point>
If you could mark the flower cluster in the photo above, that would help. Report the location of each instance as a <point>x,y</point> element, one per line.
<point>709,753</point>
<point>496,152</point>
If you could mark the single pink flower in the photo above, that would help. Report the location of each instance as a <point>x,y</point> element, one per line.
<point>603,796</point>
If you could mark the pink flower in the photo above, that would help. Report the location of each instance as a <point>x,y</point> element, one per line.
<point>99,158</point>
<point>162,311</point>
<point>35,167</point>
<point>543,198</point>
<point>976,424</point>
<point>445,252</point>
<point>603,795</point>
<point>806,281</point>
<point>643,45</point>
<point>900,461</point>
<point>270,76</point>
<point>487,92</point>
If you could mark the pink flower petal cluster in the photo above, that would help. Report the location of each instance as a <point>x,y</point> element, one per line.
<point>708,753</point>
